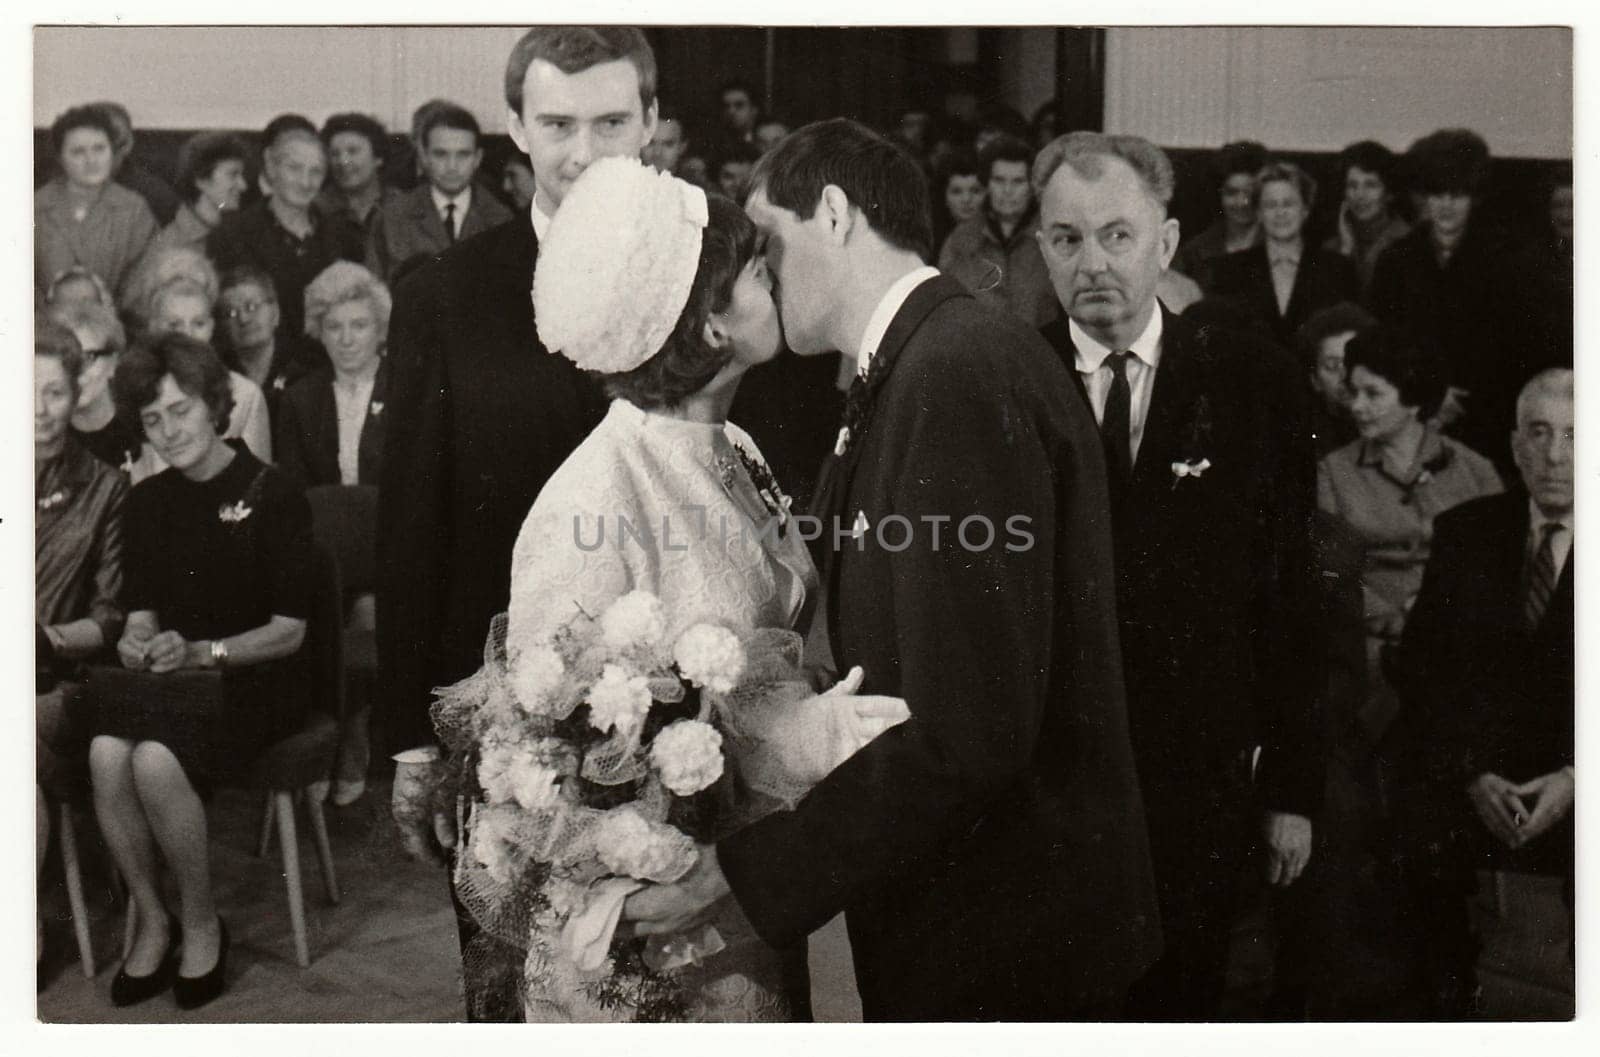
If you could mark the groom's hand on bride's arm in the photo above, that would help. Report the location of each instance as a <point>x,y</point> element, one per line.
<point>665,910</point>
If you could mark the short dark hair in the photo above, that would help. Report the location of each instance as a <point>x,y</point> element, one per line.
<point>1369,156</point>
<point>194,365</point>
<point>1004,148</point>
<point>446,115</point>
<point>1241,156</point>
<point>54,340</point>
<point>1342,318</point>
<point>877,174</point>
<point>573,49</point>
<point>685,364</point>
<point>282,124</point>
<point>77,117</point>
<point>1449,161</point>
<point>199,157</point>
<point>370,128</point>
<point>1412,368</point>
<point>739,84</point>
<point>241,274</point>
<point>736,151</point>
<point>958,163</point>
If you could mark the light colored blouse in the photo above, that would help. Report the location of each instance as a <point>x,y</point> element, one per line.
<point>110,239</point>
<point>350,411</point>
<point>1393,512</point>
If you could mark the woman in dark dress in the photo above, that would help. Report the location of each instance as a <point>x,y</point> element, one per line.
<point>77,566</point>
<point>219,560</point>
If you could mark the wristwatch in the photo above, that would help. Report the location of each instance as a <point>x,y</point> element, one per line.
<point>219,653</point>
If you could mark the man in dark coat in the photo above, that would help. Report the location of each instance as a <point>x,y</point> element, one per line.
<point>482,414</point>
<point>1212,479</point>
<point>989,852</point>
<point>1485,671</point>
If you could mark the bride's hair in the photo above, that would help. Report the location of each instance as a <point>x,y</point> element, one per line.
<point>685,364</point>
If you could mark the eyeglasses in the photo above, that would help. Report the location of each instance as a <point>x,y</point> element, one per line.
<point>245,309</point>
<point>95,354</point>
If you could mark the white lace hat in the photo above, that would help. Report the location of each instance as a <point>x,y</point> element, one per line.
<point>617,264</point>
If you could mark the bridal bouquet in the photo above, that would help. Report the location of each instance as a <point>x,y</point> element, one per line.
<point>587,766</point>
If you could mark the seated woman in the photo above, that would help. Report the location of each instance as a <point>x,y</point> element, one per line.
<point>1368,223</point>
<point>77,285</point>
<point>77,563</point>
<point>183,306</point>
<point>1284,280</point>
<point>219,560</point>
<point>330,432</point>
<point>159,267</point>
<point>83,216</point>
<point>1391,482</point>
<point>252,342</point>
<point>211,181</point>
<point>95,422</point>
<point>1320,343</point>
<point>330,423</point>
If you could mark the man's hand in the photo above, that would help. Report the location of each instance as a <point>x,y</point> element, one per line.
<point>1552,799</point>
<point>411,807</point>
<point>1288,839</point>
<point>666,910</point>
<point>1500,807</point>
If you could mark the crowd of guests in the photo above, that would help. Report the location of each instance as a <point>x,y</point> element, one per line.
<point>207,352</point>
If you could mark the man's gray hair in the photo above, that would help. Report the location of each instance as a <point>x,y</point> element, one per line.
<point>1083,151</point>
<point>1552,381</point>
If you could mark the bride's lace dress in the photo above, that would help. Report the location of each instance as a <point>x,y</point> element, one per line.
<point>660,504</point>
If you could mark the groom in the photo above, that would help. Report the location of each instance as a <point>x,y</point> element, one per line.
<point>990,852</point>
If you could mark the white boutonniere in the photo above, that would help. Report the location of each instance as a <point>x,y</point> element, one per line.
<point>233,513</point>
<point>376,408</point>
<point>1189,468</point>
<point>53,500</point>
<point>860,527</point>
<point>280,383</point>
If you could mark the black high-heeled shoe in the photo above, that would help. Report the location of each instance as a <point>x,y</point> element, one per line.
<point>129,990</point>
<point>192,992</point>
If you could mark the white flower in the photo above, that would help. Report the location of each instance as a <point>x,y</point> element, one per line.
<point>494,840</point>
<point>635,619</point>
<point>513,772</point>
<point>618,701</point>
<point>710,656</point>
<point>688,755</point>
<point>1195,468</point>
<point>632,847</point>
<point>535,676</point>
<point>566,897</point>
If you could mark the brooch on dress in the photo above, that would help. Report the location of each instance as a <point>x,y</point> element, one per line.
<point>53,500</point>
<point>233,513</point>
<point>375,408</point>
<point>766,485</point>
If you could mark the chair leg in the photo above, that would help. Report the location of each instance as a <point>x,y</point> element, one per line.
<point>80,910</point>
<point>291,874</point>
<point>264,845</point>
<point>319,830</point>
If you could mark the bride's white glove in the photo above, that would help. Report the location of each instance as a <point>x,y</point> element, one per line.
<point>811,736</point>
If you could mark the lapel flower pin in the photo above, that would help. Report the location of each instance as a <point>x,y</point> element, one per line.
<point>376,409</point>
<point>860,527</point>
<point>233,513</point>
<point>53,500</point>
<point>1189,468</point>
<point>280,383</point>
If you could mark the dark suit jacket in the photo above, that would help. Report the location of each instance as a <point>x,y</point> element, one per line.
<point>1323,279</point>
<point>482,415</point>
<point>1480,693</point>
<point>408,225</point>
<point>1216,585</point>
<point>306,440</point>
<point>990,851</point>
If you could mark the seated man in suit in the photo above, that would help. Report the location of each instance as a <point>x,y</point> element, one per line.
<point>446,207</point>
<point>1485,671</point>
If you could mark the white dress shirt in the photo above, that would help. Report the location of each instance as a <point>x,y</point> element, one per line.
<point>1090,358</point>
<point>462,202</point>
<point>1560,543</point>
<point>893,300</point>
<point>350,405</point>
<point>541,219</point>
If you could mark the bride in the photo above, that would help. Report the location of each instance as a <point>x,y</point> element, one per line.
<point>662,295</point>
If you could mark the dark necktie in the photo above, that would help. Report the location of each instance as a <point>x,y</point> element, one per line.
<point>450,221</point>
<point>1116,423</point>
<point>1541,578</point>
